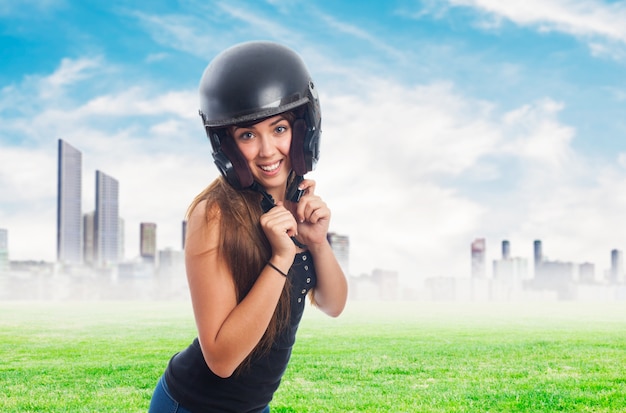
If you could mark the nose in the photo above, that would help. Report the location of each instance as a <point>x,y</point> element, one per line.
<point>268,146</point>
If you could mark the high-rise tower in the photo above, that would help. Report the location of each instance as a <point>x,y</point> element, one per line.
<point>479,249</point>
<point>69,214</point>
<point>106,221</point>
<point>147,243</point>
<point>617,266</point>
<point>89,238</point>
<point>506,250</point>
<point>538,253</point>
<point>184,229</point>
<point>340,245</point>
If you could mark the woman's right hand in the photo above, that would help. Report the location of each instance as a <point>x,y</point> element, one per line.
<point>279,225</point>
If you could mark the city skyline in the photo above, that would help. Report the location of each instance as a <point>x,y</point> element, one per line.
<point>529,267</point>
<point>441,121</point>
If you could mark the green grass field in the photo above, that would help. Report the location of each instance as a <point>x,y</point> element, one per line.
<point>403,357</point>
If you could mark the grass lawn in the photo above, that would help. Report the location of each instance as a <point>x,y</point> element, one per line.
<point>377,357</point>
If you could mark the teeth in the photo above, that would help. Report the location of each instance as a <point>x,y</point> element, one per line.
<point>270,168</point>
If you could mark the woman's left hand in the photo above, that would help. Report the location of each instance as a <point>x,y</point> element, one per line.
<point>312,215</point>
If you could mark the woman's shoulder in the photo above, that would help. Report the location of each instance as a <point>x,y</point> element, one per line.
<point>202,227</point>
<point>204,211</point>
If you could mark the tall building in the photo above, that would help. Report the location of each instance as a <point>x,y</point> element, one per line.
<point>479,250</point>
<point>184,225</point>
<point>147,242</point>
<point>89,238</point>
<point>340,245</point>
<point>69,196</point>
<point>506,249</point>
<point>106,221</point>
<point>4,250</point>
<point>617,266</point>
<point>538,255</point>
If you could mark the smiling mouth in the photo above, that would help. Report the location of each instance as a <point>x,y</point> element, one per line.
<point>270,168</point>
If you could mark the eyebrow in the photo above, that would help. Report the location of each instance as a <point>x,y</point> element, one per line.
<point>278,120</point>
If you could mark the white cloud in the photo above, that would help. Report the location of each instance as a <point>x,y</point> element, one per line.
<point>598,23</point>
<point>26,8</point>
<point>201,33</point>
<point>621,159</point>
<point>157,57</point>
<point>579,18</point>
<point>358,33</point>
<point>176,31</point>
<point>382,155</point>
<point>255,23</point>
<point>406,171</point>
<point>150,141</point>
<point>396,163</point>
<point>71,71</point>
<point>136,102</point>
<point>24,173</point>
<point>536,135</point>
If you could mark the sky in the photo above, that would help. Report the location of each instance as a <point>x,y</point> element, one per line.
<point>442,121</point>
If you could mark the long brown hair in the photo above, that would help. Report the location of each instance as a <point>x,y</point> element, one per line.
<point>244,246</point>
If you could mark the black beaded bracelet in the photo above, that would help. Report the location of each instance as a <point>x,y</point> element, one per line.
<point>276,268</point>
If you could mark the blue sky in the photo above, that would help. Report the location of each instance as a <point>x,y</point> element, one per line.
<point>443,121</point>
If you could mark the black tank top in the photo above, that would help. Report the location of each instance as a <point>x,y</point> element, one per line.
<point>198,389</point>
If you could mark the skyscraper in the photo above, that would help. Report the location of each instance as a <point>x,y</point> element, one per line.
<point>617,266</point>
<point>106,222</point>
<point>184,233</point>
<point>506,249</point>
<point>69,214</point>
<point>479,248</point>
<point>147,243</point>
<point>340,245</point>
<point>538,255</point>
<point>89,238</point>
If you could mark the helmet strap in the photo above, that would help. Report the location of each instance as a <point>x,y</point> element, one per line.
<point>267,203</point>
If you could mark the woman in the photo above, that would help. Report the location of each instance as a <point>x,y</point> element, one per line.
<point>256,237</point>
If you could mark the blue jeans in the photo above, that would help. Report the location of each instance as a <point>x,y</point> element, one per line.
<point>163,402</point>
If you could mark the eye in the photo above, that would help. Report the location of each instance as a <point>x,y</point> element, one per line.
<point>281,129</point>
<point>245,136</point>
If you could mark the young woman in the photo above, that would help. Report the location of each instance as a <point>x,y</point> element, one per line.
<point>256,237</point>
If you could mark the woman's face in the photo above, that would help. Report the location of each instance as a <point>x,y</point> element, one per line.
<point>265,145</point>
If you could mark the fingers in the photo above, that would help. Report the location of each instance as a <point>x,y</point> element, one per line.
<point>279,221</point>
<point>279,226</point>
<point>308,186</point>
<point>312,209</point>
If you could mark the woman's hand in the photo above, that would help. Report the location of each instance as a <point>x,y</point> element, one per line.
<point>279,225</point>
<point>312,215</point>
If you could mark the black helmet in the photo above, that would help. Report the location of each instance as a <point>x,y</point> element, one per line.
<point>252,81</point>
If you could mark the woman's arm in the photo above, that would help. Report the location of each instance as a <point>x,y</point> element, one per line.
<point>313,215</point>
<point>331,292</point>
<point>228,331</point>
